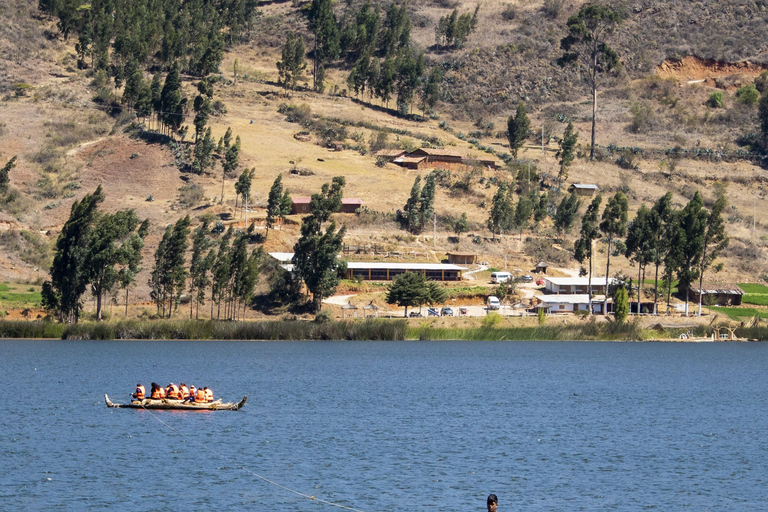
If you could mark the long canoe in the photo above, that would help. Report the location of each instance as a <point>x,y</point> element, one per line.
<point>179,405</point>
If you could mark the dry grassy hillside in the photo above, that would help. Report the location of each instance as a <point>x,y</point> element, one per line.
<point>67,144</point>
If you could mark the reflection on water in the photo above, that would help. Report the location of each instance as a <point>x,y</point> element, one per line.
<point>388,426</point>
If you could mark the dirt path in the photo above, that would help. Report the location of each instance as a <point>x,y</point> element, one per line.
<point>339,300</point>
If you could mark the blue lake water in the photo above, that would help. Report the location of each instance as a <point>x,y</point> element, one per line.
<point>393,426</point>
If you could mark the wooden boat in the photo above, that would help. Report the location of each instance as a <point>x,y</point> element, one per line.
<point>177,405</point>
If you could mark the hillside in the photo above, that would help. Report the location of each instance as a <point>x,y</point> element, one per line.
<point>68,144</point>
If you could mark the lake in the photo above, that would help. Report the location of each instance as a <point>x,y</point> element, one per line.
<point>388,426</point>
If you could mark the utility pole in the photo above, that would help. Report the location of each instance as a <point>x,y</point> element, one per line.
<point>542,138</point>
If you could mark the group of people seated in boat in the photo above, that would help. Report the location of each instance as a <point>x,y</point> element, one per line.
<point>174,392</point>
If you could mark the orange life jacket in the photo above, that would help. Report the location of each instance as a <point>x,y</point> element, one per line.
<point>173,391</point>
<point>161,391</point>
<point>192,392</point>
<point>157,393</point>
<point>200,397</point>
<point>209,395</point>
<point>140,392</point>
<point>184,391</point>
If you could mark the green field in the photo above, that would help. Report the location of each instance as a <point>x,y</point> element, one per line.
<point>750,288</point>
<point>19,296</point>
<point>651,282</point>
<point>740,313</point>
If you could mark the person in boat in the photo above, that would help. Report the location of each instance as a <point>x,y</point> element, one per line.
<point>157,391</point>
<point>492,502</point>
<point>140,393</point>
<point>191,394</point>
<point>172,391</point>
<point>208,394</point>
<point>200,396</point>
<point>184,390</point>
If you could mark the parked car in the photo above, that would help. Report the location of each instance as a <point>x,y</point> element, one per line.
<point>500,277</point>
<point>447,312</point>
<point>525,279</point>
<point>493,302</point>
<point>414,314</point>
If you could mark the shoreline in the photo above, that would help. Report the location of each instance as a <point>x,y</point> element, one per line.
<point>356,330</point>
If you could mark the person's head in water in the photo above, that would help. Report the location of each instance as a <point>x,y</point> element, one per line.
<point>493,502</point>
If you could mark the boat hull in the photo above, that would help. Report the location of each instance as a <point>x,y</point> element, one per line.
<point>177,405</point>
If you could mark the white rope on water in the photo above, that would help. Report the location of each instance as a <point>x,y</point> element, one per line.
<point>248,470</point>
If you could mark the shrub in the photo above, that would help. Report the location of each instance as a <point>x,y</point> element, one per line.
<point>552,7</point>
<point>509,12</point>
<point>190,194</point>
<point>491,320</point>
<point>643,118</point>
<point>716,100</point>
<point>748,94</point>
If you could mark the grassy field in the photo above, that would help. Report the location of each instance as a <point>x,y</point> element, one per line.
<point>750,288</point>
<point>756,294</point>
<point>19,296</point>
<point>740,313</point>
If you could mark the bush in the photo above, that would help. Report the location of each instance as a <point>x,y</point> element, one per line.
<point>643,118</point>
<point>748,94</point>
<point>716,100</point>
<point>552,8</point>
<point>191,194</point>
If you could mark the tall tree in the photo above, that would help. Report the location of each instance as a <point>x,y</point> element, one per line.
<point>584,246</point>
<point>566,213</point>
<point>202,106</point>
<point>639,245</point>
<point>690,243</point>
<point>614,224</point>
<point>762,114</point>
<point>322,23</point>
<point>69,277</point>
<point>171,101</point>
<point>411,210</point>
<point>501,211</point>
<point>243,185</point>
<point>111,242</point>
<point>199,266</point>
<point>315,258</point>
<point>231,161</point>
<point>170,274</point>
<point>566,153</point>
<point>621,305</point>
<point>517,129</point>
<point>586,46</point>
<point>431,90</point>
<point>292,63</point>
<point>427,201</point>
<point>273,202</point>
<point>662,216</point>
<point>715,240</point>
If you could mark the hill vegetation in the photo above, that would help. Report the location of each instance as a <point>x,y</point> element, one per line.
<point>174,107</point>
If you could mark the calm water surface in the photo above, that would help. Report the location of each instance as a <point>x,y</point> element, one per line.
<point>394,426</point>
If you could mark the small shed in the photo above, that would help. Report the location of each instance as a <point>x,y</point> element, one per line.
<point>462,258</point>
<point>299,205</point>
<point>390,154</point>
<point>583,189</point>
<point>348,307</point>
<point>722,294</point>
<point>541,267</point>
<point>350,204</point>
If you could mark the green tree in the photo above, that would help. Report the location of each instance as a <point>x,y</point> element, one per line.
<point>586,46</point>
<point>203,153</point>
<point>202,106</point>
<point>322,23</point>
<point>315,258</point>
<point>715,240</point>
<point>410,217</point>
<point>614,224</point>
<point>584,246</point>
<point>461,225</point>
<point>231,161</point>
<point>501,211</point>
<point>274,202</point>
<point>431,89</point>
<point>221,272</point>
<point>661,219</point>
<point>689,243</point>
<point>408,290</point>
<point>199,266</point>
<point>292,63</point>
<point>112,241</point>
<point>427,201</point>
<point>620,305</point>
<point>169,274</point>
<point>639,246</point>
<point>171,103</point>
<point>243,185</point>
<point>69,278</point>
<point>4,174</point>
<point>518,127</point>
<point>566,153</point>
<point>748,94</point>
<point>566,213</point>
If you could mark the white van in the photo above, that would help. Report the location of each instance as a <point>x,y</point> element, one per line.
<point>500,277</point>
<point>493,302</point>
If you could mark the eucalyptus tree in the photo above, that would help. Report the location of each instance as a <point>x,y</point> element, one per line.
<point>715,240</point>
<point>517,129</point>
<point>614,224</point>
<point>586,46</point>
<point>584,246</point>
<point>690,242</point>
<point>566,153</point>
<point>169,274</point>
<point>661,220</point>
<point>639,245</point>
